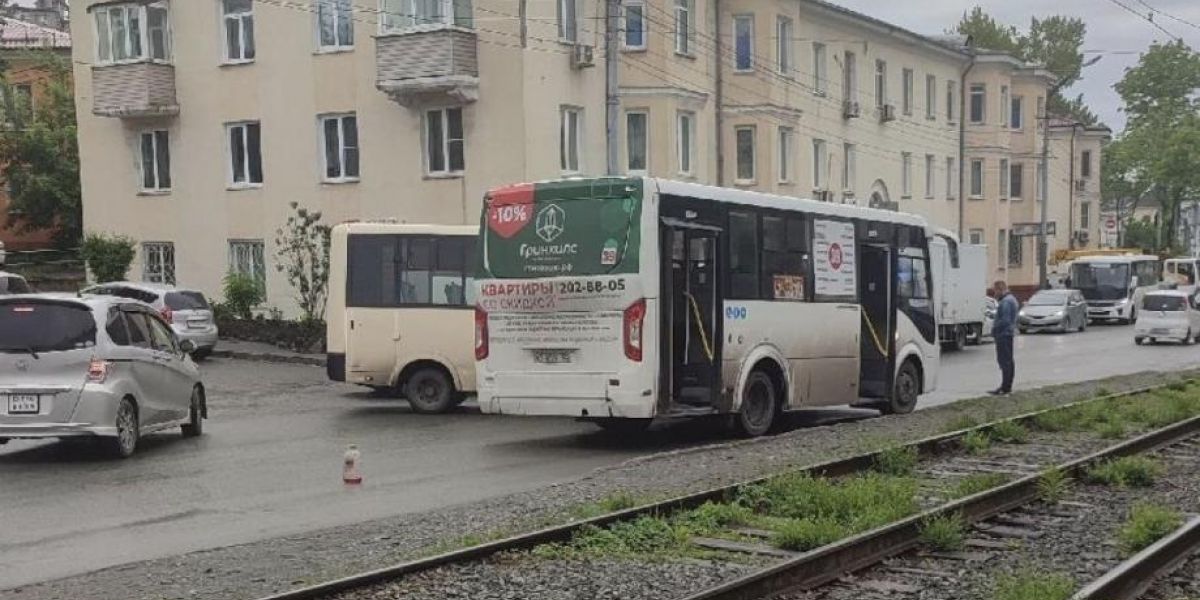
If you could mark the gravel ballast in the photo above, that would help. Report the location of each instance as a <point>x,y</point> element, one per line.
<point>271,566</point>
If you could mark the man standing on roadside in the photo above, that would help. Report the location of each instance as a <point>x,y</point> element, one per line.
<point>1003,328</point>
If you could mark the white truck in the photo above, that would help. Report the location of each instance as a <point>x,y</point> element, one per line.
<point>960,290</point>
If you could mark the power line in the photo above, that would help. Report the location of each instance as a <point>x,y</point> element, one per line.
<point>1148,18</point>
<point>1168,15</point>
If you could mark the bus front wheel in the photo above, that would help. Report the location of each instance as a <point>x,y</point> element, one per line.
<point>430,391</point>
<point>906,391</point>
<point>760,404</point>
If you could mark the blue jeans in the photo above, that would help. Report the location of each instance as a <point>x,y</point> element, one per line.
<point>1004,356</point>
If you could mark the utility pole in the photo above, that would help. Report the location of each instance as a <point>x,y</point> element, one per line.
<point>612,102</point>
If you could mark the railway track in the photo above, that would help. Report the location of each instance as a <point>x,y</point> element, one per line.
<point>764,570</point>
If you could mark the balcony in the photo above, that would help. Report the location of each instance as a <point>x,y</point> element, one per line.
<point>428,66</point>
<point>134,90</point>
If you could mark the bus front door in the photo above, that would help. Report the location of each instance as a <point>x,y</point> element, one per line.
<point>875,289</point>
<point>691,305</point>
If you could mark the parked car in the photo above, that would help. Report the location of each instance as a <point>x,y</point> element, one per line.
<point>97,367</point>
<point>1058,310</point>
<point>11,283</point>
<point>186,310</point>
<point>1167,315</point>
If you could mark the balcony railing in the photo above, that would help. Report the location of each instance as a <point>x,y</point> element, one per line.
<point>428,66</point>
<point>134,90</point>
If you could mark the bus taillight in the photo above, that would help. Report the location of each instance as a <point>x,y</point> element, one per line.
<point>635,318</point>
<point>481,334</point>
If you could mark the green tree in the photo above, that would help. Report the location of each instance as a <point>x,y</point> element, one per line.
<point>988,33</point>
<point>1141,234</point>
<point>40,154</point>
<point>303,253</point>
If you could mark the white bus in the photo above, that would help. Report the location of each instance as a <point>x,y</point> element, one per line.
<point>1114,285</point>
<point>399,314</point>
<point>621,300</point>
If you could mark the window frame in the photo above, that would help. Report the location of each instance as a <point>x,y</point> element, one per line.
<point>977,90</point>
<point>644,113</point>
<point>931,93</point>
<point>1005,100</point>
<point>145,49</point>
<point>737,161</point>
<point>231,171</point>
<point>975,237</point>
<point>567,20</point>
<point>685,147</point>
<point>908,84</point>
<point>881,96</point>
<point>1016,250</point>
<point>1085,164</point>
<point>337,8</point>
<point>930,177</point>
<point>1016,118</point>
<point>683,13</point>
<point>256,253</point>
<point>1005,178</point>
<point>241,18</point>
<point>570,115</point>
<point>1016,175</point>
<point>849,168</point>
<point>820,54</point>
<point>906,175</point>
<point>786,152</point>
<point>406,21</point>
<point>850,76</point>
<point>952,101</point>
<point>447,142</point>
<point>820,160</point>
<point>640,5</point>
<point>1002,249</point>
<point>785,56</point>
<point>972,179</point>
<point>166,274</point>
<point>1085,215</point>
<point>951,180</point>
<point>737,58</point>
<point>157,142</point>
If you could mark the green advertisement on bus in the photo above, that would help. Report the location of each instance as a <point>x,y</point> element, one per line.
<point>568,228</point>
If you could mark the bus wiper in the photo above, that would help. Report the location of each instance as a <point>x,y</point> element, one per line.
<point>26,349</point>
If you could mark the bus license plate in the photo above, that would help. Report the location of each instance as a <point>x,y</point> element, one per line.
<point>24,404</point>
<point>552,357</point>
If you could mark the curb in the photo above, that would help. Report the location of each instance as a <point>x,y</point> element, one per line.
<point>268,357</point>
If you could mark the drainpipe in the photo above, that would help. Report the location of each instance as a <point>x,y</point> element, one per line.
<point>962,148</point>
<point>718,96</point>
<point>1071,193</point>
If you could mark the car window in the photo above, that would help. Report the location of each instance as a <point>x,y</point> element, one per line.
<point>185,301</point>
<point>41,326</point>
<point>1163,303</point>
<point>139,330</point>
<point>161,335</point>
<point>13,285</point>
<point>116,328</point>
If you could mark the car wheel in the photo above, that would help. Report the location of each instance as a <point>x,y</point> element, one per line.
<point>759,406</point>
<point>1139,341</point>
<point>905,391</point>
<point>195,425</point>
<point>429,391</point>
<point>128,430</point>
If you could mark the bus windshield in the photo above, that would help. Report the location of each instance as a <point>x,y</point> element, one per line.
<point>1101,281</point>
<point>570,228</point>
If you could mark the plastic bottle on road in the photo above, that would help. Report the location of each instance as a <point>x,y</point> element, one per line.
<point>351,475</point>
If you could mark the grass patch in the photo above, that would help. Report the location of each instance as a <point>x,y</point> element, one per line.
<point>644,536</point>
<point>1054,421</point>
<point>1010,432</point>
<point>1053,486</point>
<point>977,482</point>
<point>976,442</point>
<point>1033,585</point>
<point>1127,471</point>
<point>1110,430</point>
<point>898,461</point>
<point>959,423</point>
<point>944,534</point>
<point>609,504</point>
<point>712,516</point>
<point>800,535</point>
<point>1147,523</point>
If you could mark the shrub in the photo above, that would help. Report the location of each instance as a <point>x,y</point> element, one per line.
<point>1147,523</point>
<point>108,256</point>
<point>1010,432</point>
<point>976,442</point>
<point>1032,585</point>
<point>711,516</point>
<point>242,294</point>
<point>800,535</point>
<point>898,460</point>
<point>978,482</point>
<point>1053,486</point>
<point>944,533</point>
<point>1127,471</point>
<point>303,253</point>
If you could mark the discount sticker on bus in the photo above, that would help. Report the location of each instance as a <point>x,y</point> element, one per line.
<point>835,259</point>
<point>572,228</point>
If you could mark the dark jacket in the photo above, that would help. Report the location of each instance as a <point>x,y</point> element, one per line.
<point>1006,316</point>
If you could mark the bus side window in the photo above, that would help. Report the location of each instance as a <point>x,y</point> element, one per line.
<point>414,281</point>
<point>447,284</point>
<point>784,269</point>
<point>743,255</point>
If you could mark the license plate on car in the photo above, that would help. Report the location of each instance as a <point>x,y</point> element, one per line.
<point>197,324</point>
<point>552,357</point>
<point>24,404</point>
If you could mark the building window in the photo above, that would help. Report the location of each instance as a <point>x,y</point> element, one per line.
<point>951,172</point>
<point>850,78</point>
<point>744,138</point>
<point>156,161</point>
<point>743,42</point>
<point>1041,183</point>
<point>570,142</point>
<point>335,24</point>
<point>445,146</point>
<point>880,83</point>
<point>820,160</point>
<point>930,97</point>
<point>1005,177</point>
<point>1017,119</point>
<point>1085,164</point>
<point>906,174</point>
<point>909,81</point>
<point>637,140</point>
<point>339,138</point>
<point>1016,246</point>
<point>848,167</point>
<point>239,30</point>
<point>1016,181</point>
<point>820,68</point>
<point>1085,215</point>
<point>683,26</point>
<point>567,23</point>
<point>1004,101</point>
<point>951,100</point>
<point>1002,249</point>
<point>786,140</point>
<point>783,44</point>
<point>977,178</point>
<point>1041,112</point>
<point>929,176</point>
<point>246,258</point>
<point>635,25</point>
<point>401,15</point>
<point>975,237</point>
<point>686,141</point>
<point>158,262</point>
<point>132,32</point>
<point>978,103</point>
<point>245,154</point>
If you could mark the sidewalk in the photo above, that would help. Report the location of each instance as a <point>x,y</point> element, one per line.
<point>265,352</point>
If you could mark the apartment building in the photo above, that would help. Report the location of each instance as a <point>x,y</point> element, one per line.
<point>196,132</point>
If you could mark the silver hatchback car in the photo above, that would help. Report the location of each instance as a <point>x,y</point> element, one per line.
<point>186,311</point>
<point>94,367</point>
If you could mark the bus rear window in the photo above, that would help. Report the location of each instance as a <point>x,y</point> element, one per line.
<point>45,327</point>
<point>561,229</point>
<point>389,271</point>
<point>1164,303</point>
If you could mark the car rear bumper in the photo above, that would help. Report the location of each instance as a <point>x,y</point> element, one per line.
<point>55,430</point>
<point>203,338</point>
<point>1166,333</point>
<point>94,414</point>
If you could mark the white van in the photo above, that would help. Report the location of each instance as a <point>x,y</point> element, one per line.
<point>1167,315</point>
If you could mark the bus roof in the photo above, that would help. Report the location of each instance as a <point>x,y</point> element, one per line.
<point>405,228</point>
<point>1128,258</point>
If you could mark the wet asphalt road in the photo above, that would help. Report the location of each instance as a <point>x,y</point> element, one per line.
<point>269,464</point>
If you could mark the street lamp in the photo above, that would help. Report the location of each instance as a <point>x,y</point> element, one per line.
<point>1043,251</point>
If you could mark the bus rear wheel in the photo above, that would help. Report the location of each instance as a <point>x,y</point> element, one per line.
<point>905,391</point>
<point>760,405</point>
<point>430,392</point>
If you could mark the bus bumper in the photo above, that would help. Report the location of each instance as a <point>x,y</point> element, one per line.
<point>582,396</point>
